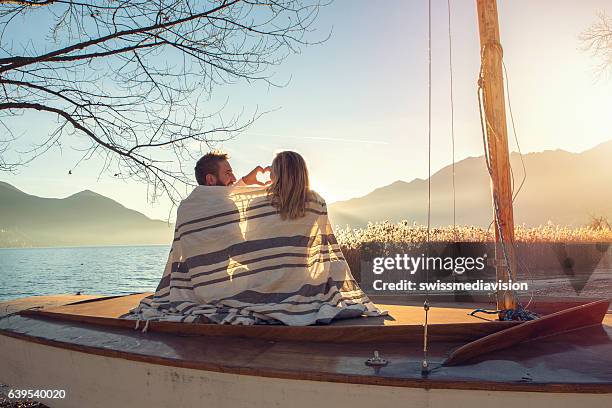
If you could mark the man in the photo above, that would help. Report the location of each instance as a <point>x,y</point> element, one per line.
<point>213,169</point>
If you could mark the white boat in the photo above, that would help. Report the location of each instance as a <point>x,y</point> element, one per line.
<point>87,356</point>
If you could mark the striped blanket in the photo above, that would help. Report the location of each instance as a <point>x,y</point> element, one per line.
<point>234,261</point>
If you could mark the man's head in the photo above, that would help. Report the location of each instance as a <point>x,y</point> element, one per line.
<point>213,169</point>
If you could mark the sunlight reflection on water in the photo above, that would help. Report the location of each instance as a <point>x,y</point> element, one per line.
<point>91,270</point>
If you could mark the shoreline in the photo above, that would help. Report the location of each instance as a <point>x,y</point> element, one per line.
<point>85,246</point>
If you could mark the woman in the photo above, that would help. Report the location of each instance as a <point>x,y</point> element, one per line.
<point>289,190</point>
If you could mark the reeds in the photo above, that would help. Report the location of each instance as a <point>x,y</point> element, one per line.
<point>405,233</point>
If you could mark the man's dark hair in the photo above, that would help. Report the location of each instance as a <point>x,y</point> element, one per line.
<point>209,164</point>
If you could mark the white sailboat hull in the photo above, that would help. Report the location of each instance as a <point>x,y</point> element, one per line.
<point>91,380</point>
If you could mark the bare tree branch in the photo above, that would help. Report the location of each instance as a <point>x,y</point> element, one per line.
<point>134,79</point>
<point>597,39</point>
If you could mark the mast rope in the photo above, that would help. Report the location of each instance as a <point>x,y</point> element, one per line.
<point>425,364</point>
<point>485,127</point>
<point>521,312</point>
<point>518,146</point>
<point>452,112</point>
<point>520,187</point>
<point>452,104</point>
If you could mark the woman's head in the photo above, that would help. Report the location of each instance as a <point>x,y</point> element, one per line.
<point>290,188</point>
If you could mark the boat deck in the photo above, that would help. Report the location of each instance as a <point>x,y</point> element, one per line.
<point>114,307</point>
<point>576,361</point>
<point>404,323</point>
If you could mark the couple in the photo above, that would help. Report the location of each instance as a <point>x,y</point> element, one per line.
<point>288,187</point>
<point>249,252</point>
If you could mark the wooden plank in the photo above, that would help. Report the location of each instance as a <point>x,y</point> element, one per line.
<point>15,305</point>
<point>398,314</point>
<point>110,307</point>
<point>404,323</point>
<point>318,334</point>
<point>574,318</point>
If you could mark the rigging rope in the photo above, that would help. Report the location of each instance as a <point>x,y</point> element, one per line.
<point>518,146</point>
<point>521,312</point>
<point>450,65</point>
<point>485,127</point>
<point>425,364</point>
<point>520,187</point>
<point>452,106</point>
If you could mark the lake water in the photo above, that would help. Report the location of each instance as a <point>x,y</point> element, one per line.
<point>90,270</point>
<point>128,269</point>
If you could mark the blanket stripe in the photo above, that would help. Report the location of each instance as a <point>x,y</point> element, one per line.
<point>234,261</point>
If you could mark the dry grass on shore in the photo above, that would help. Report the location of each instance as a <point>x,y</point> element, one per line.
<point>405,233</point>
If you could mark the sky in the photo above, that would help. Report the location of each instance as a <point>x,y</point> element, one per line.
<point>355,106</point>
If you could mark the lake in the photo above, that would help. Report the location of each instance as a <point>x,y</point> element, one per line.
<point>90,270</point>
<point>127,269</point>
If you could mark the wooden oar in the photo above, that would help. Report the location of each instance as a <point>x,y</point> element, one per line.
<point>565,320</point>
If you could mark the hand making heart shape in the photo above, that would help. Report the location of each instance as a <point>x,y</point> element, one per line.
<point>263,176</point>
<point>259,176</point>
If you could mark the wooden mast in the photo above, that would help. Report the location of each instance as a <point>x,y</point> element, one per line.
<point>497,140</point>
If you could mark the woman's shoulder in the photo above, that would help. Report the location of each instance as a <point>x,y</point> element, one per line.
<point>317,198</point>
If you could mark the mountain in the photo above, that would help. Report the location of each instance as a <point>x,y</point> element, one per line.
<point>565,188</point>
<point>85,218</point>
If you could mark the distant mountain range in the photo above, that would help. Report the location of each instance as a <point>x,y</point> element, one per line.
<point>85,218</point>
<point>565,188</point>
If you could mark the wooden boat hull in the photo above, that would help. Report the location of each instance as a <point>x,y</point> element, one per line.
<point>99,365</point>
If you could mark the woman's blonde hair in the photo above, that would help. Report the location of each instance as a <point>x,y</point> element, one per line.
<point>290,188</point>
